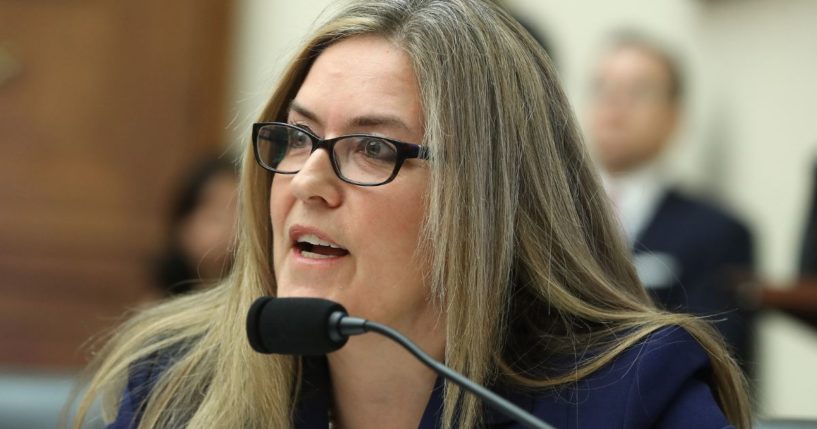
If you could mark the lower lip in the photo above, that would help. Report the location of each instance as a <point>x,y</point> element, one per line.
<point>300,258</point>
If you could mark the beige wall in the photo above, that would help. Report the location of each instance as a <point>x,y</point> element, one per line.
<point>751,132</point>
<point>268,32</point>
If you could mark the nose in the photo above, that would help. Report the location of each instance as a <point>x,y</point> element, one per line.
<point>316,182</point>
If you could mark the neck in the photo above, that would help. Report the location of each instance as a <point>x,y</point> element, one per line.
<point>376,383</point>
<point>647,168</point>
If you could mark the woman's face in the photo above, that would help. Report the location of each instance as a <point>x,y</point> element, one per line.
<point>362,85</point>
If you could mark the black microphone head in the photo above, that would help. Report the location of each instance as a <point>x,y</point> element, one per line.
<point>293,326</point>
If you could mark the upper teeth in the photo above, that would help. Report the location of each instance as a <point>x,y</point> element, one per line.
<point>314,240</point>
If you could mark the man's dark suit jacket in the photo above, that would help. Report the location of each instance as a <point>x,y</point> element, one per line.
<point>703,244</point>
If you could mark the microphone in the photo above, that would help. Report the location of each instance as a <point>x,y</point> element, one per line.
<point>314,326</point>
<point>295,326</point>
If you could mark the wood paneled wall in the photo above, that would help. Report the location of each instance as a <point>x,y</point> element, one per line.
<point>103,103</point>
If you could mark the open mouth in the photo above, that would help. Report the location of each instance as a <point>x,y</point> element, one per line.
<point>312,247</point>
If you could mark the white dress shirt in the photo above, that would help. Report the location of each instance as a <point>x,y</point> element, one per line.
<point>636,196</point>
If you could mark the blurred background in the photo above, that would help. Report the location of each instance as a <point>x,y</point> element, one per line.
<point>116,116</point>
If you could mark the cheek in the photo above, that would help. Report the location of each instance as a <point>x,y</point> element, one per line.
<point>392,284</point>
<point>393,230</point>
<point>648,127</point>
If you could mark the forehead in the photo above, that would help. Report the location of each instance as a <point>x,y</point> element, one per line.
<point>634,63</point>
<point>361,76</point>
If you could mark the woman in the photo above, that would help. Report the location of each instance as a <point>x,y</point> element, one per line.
<point>201,229</point>
<point>472,221</point>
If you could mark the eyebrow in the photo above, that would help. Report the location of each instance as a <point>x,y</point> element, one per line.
<point>358,121</point>
<point>296,107</point>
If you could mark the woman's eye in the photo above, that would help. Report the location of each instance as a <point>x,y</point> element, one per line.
<point>376,148</point>
<point>298,139</point>
<point>373,148</point>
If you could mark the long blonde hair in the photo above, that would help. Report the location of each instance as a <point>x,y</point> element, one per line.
<point>517,224</point>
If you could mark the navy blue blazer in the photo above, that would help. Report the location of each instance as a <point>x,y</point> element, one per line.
<point>662,382</point>
<point>701,244</point>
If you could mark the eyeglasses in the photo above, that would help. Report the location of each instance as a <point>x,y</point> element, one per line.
<point>641,94</point>
<point>358,159</point>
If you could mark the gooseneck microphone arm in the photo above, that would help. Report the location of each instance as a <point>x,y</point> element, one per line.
<point>347,325</point>
<point>314,326</point>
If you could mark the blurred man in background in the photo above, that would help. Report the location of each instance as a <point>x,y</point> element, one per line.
<point>684,248</point>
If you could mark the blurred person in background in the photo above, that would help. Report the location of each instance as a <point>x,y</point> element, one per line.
<point>201,229</point>
<point>684,247</point>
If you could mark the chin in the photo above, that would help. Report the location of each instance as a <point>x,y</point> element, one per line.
<point>330,293</point>
<point>303,292</point>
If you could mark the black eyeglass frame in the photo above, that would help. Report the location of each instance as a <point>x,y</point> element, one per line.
<point>404,151</point>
